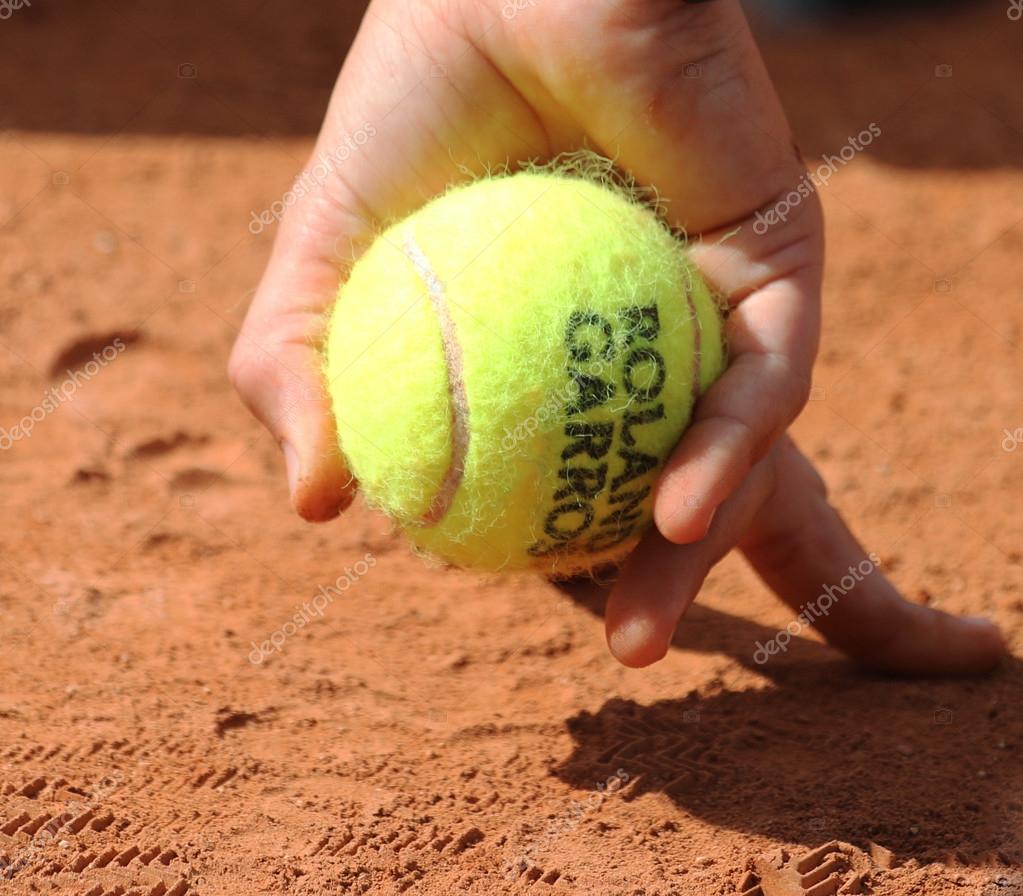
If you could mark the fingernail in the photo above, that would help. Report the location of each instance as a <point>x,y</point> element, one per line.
<point>710,521</point>
<point>292,465</point>
<point>635,642</point>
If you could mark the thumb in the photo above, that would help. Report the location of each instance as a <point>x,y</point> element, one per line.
<point>276,364</point>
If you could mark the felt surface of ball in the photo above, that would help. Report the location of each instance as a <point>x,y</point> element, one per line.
<point>511,365</point>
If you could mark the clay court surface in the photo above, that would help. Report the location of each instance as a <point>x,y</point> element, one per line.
<point>438,732</point>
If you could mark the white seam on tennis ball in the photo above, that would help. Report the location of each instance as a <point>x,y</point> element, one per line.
<point>697,349</point>
<point>445,496</point>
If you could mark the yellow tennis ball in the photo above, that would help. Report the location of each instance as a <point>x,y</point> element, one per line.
<point>511,365</point>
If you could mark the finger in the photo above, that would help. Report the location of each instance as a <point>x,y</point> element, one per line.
<point>381,153</point>
<point>773,329</point>
<point>660,580</point>
<point>773,334</point>
<point>277,369</point>
<point>276,365</point>
<point>803,550</point>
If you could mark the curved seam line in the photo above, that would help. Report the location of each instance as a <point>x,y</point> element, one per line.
<point>459,401</point>
<point>695,387</point>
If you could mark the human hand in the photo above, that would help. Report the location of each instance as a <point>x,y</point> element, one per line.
<point>677,95</point>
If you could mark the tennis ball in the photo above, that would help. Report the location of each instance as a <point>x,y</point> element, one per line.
<point>510,366</point>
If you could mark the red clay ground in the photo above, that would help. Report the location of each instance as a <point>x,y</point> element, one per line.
<point>438,732</point>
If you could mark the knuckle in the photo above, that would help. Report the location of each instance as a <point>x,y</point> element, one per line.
<point>800,387</point>
<point>251,372</point>
<point>753,445</point>
<point>793,387</point>
<point>239,370</point>
<point>802,470</point>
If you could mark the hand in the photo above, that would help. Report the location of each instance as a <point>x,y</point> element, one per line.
<point>677,94</point>
<point>781,520</point>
